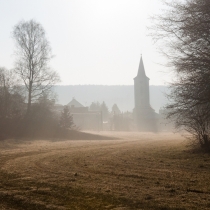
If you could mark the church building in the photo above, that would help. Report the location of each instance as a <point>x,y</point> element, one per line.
<point>145,117</point>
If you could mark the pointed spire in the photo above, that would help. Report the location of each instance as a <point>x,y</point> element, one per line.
<point>141,71</point>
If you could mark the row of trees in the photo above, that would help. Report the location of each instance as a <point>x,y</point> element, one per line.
<point>26,100</point>
<point>11,102</point>
<point>183,32</point>
<point>96,106</point>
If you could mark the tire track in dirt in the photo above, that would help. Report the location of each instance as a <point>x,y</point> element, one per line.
<point>119,174</point>
<point>8,163</point>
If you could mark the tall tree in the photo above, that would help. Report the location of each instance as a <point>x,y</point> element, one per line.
<point>105,111</point>
<point>66,119</point>
<point>184,37</point>
<point>115,109</point>
<point>33,54</point>
<point>95,106</point>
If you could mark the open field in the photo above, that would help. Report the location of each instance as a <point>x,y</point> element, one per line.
<point>138,171</point>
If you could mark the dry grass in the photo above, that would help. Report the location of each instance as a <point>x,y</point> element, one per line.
<point>138,171</point>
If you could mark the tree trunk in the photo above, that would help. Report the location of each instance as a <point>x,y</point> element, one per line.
<point>206,141</point>
<point>29,99</point>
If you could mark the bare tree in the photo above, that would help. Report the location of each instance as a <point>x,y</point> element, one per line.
<point>33,54</point>
<point>183,34</point>
<point>184,38</point>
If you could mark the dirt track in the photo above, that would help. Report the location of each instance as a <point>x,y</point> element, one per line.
<point>138,171</point>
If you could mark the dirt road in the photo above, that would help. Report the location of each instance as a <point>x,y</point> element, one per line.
<point>138,171</point>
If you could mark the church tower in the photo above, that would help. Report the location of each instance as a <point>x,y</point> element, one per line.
<point>145,116</point>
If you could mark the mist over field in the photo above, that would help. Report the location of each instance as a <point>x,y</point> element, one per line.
<point>122,95</point>
<point>118,170</point>
<point>104,105</point>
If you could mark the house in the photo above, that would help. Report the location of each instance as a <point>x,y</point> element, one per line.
<point>83,118</point>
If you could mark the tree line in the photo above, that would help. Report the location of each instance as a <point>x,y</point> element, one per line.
<point>182,33</point>
<point>26,98</point>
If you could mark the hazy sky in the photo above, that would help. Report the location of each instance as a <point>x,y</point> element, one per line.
<point>94,41</point>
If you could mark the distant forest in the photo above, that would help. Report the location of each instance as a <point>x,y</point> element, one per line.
<point>123,95</point>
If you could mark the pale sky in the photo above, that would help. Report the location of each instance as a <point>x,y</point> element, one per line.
<point>94,41</point>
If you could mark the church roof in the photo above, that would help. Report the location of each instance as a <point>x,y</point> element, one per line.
<point>141,71</point>
<point>74,103</point>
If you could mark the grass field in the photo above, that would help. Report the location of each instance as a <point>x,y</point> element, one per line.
<point>137,171</point>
